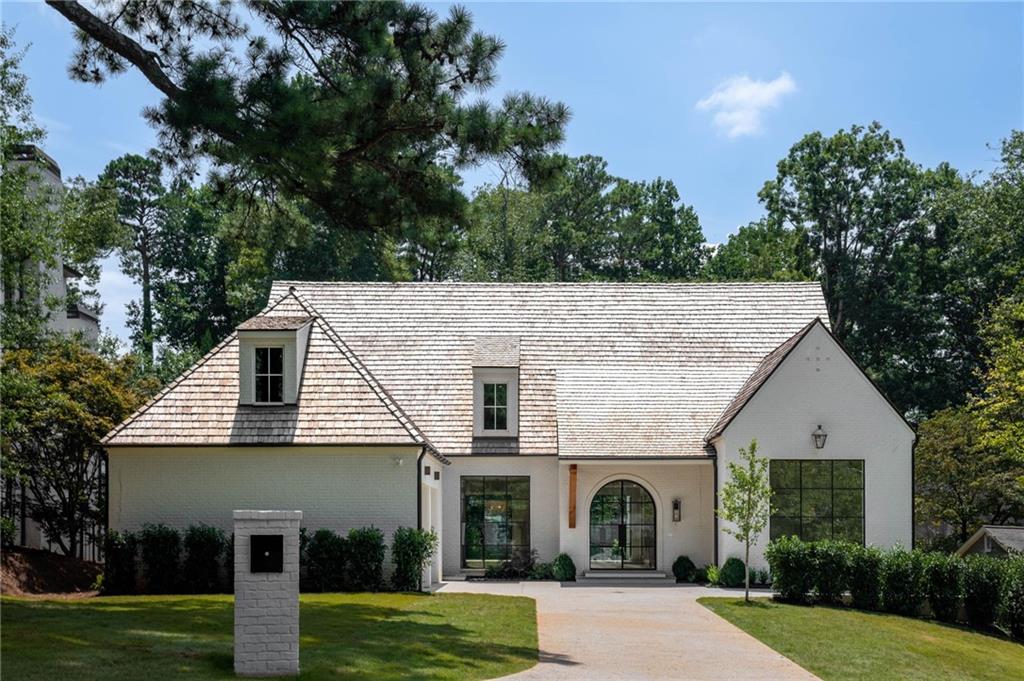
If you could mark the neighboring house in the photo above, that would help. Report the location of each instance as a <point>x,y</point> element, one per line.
<point>593,419</point>
<point>62,316</point>
<point>995,540</point>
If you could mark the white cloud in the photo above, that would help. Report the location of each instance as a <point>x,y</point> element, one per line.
<point>738,102</point>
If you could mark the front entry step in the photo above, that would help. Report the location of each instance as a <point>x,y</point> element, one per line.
<point>624,574</point>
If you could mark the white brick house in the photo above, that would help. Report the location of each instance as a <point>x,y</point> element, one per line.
<point>594,419</point>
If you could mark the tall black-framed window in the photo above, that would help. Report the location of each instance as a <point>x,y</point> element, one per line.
<point>269,375</point>
<point>817,499</point>
<point>495,518</point>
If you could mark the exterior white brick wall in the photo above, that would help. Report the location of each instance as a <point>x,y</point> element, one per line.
<point>336,488</point>
<point>819,384</point>
<point>690,481</point>
<point>267,603</point>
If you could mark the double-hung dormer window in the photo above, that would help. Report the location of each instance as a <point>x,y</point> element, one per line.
<point>495,402</point>
<point>269,375</point>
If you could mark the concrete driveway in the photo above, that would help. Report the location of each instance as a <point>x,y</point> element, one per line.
<point>601,630</point>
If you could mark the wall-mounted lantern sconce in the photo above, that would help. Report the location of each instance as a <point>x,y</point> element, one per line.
<point>677,510</point>
<point>819,438</point>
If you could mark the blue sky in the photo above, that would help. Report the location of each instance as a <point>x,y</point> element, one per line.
<point>709,96</point>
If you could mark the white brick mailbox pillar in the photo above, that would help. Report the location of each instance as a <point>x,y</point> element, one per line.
<point>267,593</point>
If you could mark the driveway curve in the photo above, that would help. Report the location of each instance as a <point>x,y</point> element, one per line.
<point>623,630</point>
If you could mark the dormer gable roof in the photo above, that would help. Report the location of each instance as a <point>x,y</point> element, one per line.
<point>340,402</point>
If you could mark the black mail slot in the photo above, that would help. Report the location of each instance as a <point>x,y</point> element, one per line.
<point>266,553</point>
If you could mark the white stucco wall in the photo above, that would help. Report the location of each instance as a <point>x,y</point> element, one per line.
<point>335,488</point>
<point>690,481</point>
<point>543,473</point>
<point>819,384</point>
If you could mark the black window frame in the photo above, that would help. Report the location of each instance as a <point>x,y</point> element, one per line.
<point>499,551</point>
<point>269,376</point>
<point>802,518</point>
<point>495,408</point>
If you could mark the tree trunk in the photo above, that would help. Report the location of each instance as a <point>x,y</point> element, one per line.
<point>746,570</point>
<point>147,311</point>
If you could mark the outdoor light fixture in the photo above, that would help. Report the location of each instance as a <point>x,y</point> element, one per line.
<point>819,438</point>
<point>677,510</point>
<point>398,460</point>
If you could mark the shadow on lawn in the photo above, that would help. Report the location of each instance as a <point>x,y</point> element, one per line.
<point>188,637</point>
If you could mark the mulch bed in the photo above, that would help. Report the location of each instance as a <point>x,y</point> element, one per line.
<point>32,572</point>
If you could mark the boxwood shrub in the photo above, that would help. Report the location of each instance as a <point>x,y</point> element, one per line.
<point>944,585</point>
<point>411,549</point>
<point>204,546</point>
<point>161,557</point>
<point>1011,598</point>
<point>982,585</point>
<point>119,573</point>
<point>901,582</point>
<point>865,577</point>
<point>683,569</point>
<point>366,551</point>
<point>831,569</point>
<point>790,562</point>
<point>733,573</point>
<point>326,559</point>
<point>564,569</point>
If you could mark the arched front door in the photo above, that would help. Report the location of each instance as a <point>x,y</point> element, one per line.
<point>622,528</point>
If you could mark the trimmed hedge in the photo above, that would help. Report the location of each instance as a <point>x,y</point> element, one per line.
<point>411,549</point>
<point>204,546</point>
<point>902,590</point>
<point>982,586</point>
<point>161,557</point>
<point>733,573</point>
<point>988,589</point>
<point>119,574</point>
<point>683,569</point>
<point>791,562</point>
<point>366,551</point>
<point>326,561</point>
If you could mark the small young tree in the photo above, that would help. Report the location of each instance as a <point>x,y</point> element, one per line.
<point>746,503</point>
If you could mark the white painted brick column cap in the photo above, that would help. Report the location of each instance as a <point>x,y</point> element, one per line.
<point>268,515</point>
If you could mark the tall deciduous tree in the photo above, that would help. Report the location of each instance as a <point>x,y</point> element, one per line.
<point>352,106</point>
<point>142,211</point>
<point>59,400</point>
<point>746,503</point>
<point>762,251</point>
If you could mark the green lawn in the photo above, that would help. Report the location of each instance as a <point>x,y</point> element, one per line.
<point>839,643</point>
<point>350,636</point>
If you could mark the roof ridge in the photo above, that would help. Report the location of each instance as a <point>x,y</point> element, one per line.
<point>390,403</point>
<point>291,283</point>
<point>176,382</point>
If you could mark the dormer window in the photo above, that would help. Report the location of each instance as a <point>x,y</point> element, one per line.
<point>495,406</point>
<point>269,375</point>
<point>271,355</point>
<point>495,402</point>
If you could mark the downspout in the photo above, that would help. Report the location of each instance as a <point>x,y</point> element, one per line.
<point>714,464</point>
<point>419,489</point>
<point>913,493</point>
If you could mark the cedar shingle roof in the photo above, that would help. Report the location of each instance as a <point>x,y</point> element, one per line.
<point>275,323</point>
<point>340,401</point>
<point>605,369</point>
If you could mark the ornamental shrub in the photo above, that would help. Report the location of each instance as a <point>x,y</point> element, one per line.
<point>764,578</point>
<point>204,546</point>
<point>1011,597</point>
<point>366,551</point>
<point>326,556</point>
<point>982,585</point>
<point>714,575</point>
<point>563,568</point>
<point>520,566</point>
<point>542,572</point>
<point>733,573</point>
<point>684,569</point>
<point>411,550</point>
<point>792,569</point>
<point>864,578</point>
<point>944,585</point>
<point>902,582</point>
<point>700,575</point>
<point>831,560</point>
<point>161,557</point>
<point>8,530</point>
<point>119,557</point>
